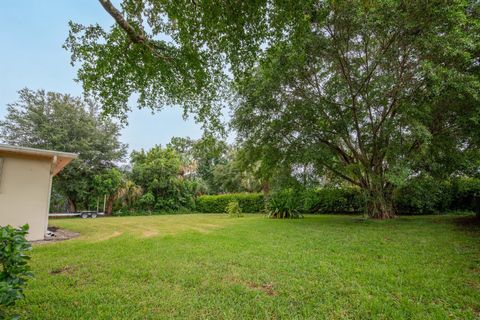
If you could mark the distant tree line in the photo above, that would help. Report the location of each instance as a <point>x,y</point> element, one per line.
<point>160,179</point>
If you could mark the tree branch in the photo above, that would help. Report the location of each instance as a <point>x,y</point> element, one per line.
<point>136,36</point>
<point>120,20</point>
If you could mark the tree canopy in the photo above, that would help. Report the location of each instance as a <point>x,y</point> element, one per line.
<point>108,184</point>
<point>162,66</point>
<point>374,92</point>
<point>216,163</point>
<point>158,172</point>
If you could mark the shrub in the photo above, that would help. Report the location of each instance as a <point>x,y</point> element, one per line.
<point>14,261</point>
<point>233,209</point>
<point>147,201</point>
<point>466,194</point>
<point>333,200</point>
<point>248,202</point>
<point>423,196</point>
<point>284,205</point>
<point>167,205</point>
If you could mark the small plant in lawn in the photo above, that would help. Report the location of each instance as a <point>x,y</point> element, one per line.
<point>283,205</point>
<point>233,209</point>
<point>14,263</point>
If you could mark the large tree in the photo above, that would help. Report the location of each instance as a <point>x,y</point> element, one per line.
<point>61,122</point>
<point>109,185</point>
<point>203,155</point>
<point>234,176</point>
<point>373,91</point>
<point>158,172</point>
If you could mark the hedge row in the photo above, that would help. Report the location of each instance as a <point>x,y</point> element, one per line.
<point>249,202</point>
<point>331,200</point>
<point>428,196</point>
<point>419,196</point>
<point>312,200</point>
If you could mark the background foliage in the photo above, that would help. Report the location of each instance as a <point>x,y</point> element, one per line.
<point>248,202</point>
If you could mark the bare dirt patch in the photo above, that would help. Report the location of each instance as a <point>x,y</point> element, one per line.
<point>63,270</point>
<point>59,235</point>
<point>150,233</point>
<point>264,287</point>
<point>469,222</point>
<point>112,235</point>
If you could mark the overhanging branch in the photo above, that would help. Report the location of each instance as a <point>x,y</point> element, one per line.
<point>136,36</point>
<point>120,20</point>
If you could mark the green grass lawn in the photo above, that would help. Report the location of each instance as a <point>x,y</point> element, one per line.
<point>211,266</point>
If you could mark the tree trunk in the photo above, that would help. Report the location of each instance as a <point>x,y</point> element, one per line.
<point>109,208</point>
<point>72,206</point>
<point>266,188</point>
<point>379,202</point>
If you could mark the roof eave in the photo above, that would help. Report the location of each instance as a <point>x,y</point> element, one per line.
<point>59,159</point>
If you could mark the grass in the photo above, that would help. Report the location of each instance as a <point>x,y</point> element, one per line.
<point>212,266</point>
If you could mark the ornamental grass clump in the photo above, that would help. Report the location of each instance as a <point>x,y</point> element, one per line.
<point>284,205</point>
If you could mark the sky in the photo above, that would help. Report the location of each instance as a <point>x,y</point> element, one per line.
<point>32,33</point>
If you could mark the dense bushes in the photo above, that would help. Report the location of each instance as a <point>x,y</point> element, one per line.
<point>249,202</point>
<point>419,196</point>
<point>428,196</point>
<point>332,200</point>
<point>423,196</point>
<point>14,268</point>
<point>465,194</point>
<point>326,200</point>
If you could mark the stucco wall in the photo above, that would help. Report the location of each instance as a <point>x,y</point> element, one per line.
<point>24,193</point>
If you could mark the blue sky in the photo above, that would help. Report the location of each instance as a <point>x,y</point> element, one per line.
<point>32,33</point>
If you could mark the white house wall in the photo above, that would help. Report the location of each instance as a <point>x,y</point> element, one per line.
<point>24,193</point>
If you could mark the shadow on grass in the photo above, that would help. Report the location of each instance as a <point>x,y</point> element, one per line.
<point>469,224</point>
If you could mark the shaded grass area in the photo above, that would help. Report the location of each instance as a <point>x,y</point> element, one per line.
<point>211,266</point>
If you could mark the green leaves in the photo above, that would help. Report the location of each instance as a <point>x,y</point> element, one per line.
<point>158,172</point>
<point>108,182</point>
<point>233,210</point>
<point>14,261</point>
<point>167,67</point>
<point>371,94</point>
<point>248,202</point>
<point>284,205</point>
